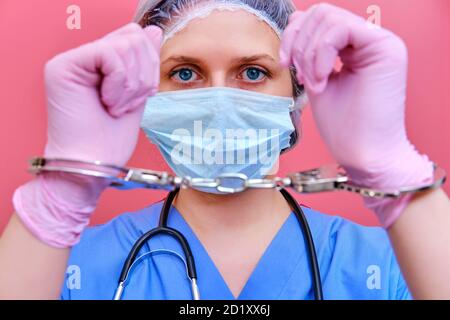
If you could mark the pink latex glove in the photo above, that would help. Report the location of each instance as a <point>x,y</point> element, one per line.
<point>359,111</point>
<point>96,95</point>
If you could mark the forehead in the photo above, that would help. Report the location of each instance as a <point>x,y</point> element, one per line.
<point>223,32</point>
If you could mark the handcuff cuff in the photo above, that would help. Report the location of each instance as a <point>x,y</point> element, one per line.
<point>325,178</point>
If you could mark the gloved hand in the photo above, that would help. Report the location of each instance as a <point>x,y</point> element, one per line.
<point>359,111</point>
<point>96,96</point>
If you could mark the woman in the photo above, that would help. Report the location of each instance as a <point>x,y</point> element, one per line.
<point>227,55</point>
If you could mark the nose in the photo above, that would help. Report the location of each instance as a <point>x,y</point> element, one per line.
<point>219,79</point>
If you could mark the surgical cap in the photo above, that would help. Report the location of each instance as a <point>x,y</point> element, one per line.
<point>174,15</point>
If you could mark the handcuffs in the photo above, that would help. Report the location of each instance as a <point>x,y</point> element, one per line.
<point>326,178</point>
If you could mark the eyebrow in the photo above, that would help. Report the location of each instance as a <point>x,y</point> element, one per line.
<point>241,60</point>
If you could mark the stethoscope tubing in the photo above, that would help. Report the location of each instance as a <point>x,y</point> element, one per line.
<point>190,262</point>
<point>310,247</point>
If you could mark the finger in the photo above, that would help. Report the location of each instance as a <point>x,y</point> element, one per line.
<point>333,43</point>
<point>140,55</point>
<point>148,75</point>
<point>288,38</point>
<point>135,78</point>
<point>295,16</point>
<point>116,95</point>
<point>114,75</point>
<point>154,51</point>
<point>338,30</point>
<point>96,55</point>
<point>362,33</point>
<point>318,67</point>
<point>304,51</point>
<point>147,51</point>
<point>129,28</point>
<point>146,47</point>
<point>155,35</point>
<point>326,56</point>
<point>137,104</point>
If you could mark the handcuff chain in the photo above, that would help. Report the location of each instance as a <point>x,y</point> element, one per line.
<point>326,178</point>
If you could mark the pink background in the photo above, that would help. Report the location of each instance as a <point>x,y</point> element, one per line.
<point>32,32</point>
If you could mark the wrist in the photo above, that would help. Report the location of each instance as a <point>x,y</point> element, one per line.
<point>73,190</point>
<point>56,207</point>
<point>410,171</point>
<point>402,167</point>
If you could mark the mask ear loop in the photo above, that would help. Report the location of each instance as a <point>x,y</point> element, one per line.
<point>301,98</point>
<point>300,103</point>
<point>293,106</point>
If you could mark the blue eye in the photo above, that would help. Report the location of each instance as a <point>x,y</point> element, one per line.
<point>254,74</point>
<point>188,76</point>
<point>183,75</point>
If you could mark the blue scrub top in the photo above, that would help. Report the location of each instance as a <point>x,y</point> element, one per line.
<point>356,262</point>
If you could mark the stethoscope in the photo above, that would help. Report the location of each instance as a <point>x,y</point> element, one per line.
<point>162,228</point>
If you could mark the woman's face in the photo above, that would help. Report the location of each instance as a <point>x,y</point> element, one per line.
<point>225,49</point>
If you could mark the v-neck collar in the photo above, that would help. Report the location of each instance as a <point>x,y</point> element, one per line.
<point>269,277</point>
<point>281,259</point>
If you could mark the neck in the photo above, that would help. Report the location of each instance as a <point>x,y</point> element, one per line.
<point>234,212</point>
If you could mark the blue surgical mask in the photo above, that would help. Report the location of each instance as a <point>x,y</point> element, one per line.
<point>204,133</point>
